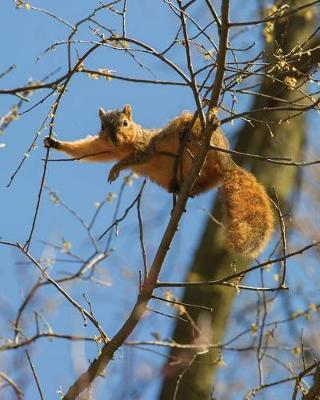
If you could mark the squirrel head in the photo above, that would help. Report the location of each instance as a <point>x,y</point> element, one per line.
<point>117,125</point>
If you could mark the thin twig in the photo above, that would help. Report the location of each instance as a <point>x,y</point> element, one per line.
<point>141,234</point>
<point>34,373</point>
<point>13,384</point>
<point>238,274</point>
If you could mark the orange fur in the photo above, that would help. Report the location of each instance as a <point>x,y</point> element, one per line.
<point>159,155</point>
<point>249,212</point>
<point>89,149</point>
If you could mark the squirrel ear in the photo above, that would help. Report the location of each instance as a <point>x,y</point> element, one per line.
<point>127,111</point>
<point>102,113</point>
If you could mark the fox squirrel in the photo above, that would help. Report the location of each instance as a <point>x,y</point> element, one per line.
<point>160,155</point>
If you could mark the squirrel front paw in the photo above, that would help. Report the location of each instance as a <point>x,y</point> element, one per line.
<point>50,143</point>
<point>113,174</point>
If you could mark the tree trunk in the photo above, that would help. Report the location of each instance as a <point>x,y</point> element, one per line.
<point>212,260</point>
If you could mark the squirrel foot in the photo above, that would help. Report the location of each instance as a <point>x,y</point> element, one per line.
<point>174,187</point>
<point>49,142</point>
<point>113,174</point>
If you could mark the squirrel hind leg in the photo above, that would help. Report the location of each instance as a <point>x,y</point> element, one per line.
<point>174,186</point>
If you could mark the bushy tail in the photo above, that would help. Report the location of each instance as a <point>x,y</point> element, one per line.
<point>249,212</point>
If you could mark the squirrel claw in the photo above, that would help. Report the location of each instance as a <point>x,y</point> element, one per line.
<point>113,175</point>
<point>174,186</point>
<point>49,143</point>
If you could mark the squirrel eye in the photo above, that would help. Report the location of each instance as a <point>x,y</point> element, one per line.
<point>125,123</point>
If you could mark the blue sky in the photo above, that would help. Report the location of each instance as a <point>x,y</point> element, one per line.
<point>25,35</point>
<point>80,185</point>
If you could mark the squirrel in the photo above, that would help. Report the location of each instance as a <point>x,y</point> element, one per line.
<point>165,156</point>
